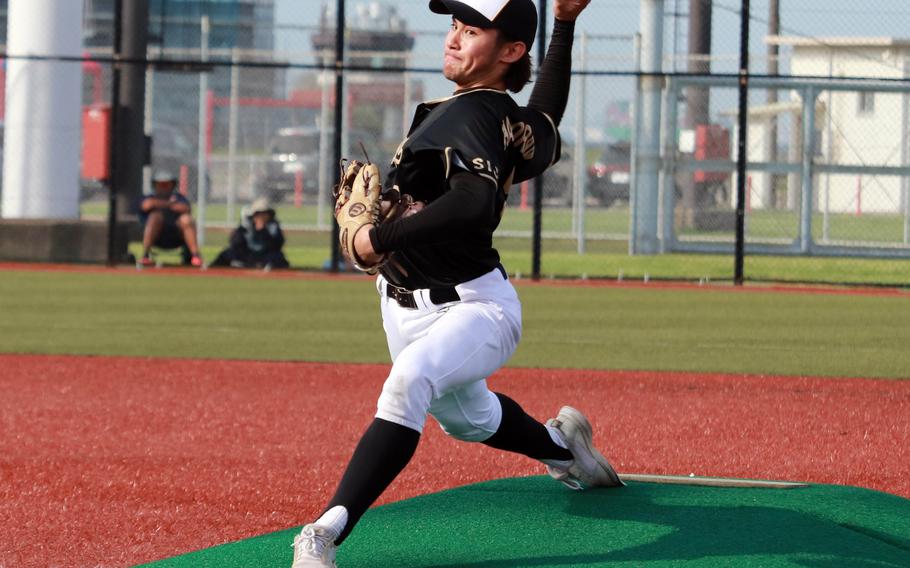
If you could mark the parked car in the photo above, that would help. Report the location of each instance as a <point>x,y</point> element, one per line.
<point>557,181</point>
<point>294,154</point>
<point>609,176</point>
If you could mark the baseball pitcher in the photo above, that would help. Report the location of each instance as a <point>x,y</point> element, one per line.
<point>450,314</point>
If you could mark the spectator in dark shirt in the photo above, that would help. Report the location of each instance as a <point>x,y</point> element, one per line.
<point>167,222</point>
<point>257,242</point>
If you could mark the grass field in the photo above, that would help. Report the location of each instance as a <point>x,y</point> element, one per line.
<point>217,315</point>
<point>615,221</point>
<point>609,258</point>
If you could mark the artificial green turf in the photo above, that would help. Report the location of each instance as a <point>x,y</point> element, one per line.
<point>716,330</point>
<point>533,522</point>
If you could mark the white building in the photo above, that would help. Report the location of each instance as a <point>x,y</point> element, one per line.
<point>855,127</point>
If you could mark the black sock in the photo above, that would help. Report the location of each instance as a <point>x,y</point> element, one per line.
<point>520,433</point>
<point>383,451</point>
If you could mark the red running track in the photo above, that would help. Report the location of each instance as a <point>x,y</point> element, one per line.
<point>118,461</point>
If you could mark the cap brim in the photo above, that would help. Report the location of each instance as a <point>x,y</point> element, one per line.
<point>461,12</point>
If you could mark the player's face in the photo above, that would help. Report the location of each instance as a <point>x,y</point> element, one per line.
<point>164,187</point>
<point>472,57</point>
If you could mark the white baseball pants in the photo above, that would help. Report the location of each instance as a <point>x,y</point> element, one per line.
<point>442,355</point>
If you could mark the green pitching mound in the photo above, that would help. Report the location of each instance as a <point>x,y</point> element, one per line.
<point>535,522</point>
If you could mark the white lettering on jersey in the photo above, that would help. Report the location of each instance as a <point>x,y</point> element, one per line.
<point>486,167</point>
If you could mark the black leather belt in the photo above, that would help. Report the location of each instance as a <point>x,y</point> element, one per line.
<point>405,298</point>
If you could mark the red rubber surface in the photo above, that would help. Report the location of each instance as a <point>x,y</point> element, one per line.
<point>118,461</point>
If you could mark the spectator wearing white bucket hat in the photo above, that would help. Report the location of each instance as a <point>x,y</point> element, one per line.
<point>257,242</point>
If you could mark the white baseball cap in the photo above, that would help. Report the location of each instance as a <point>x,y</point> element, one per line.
<point>516,18</point>
<point>163,176</point>
<point>261,205</point>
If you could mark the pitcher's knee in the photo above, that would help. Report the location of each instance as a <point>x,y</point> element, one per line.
<point>405,399</point>
<point>466,423</point>
<point>466,432</point>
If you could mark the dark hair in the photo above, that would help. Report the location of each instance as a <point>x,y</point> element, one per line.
<point>519,73</point>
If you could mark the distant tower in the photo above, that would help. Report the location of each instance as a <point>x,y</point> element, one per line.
<point>377,37</point>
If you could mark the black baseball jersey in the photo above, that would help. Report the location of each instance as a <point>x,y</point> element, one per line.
<point>486,133</point>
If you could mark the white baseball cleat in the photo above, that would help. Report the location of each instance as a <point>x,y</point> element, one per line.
<point>315,547</point>
<point>589,468</point>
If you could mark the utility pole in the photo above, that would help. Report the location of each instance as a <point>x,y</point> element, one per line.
<point>698,99</point>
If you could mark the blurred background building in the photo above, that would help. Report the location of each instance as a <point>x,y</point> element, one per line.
<point>175,32</point>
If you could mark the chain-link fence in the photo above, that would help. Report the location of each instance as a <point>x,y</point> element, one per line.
<point>823,179</point>
<point>827,137</point>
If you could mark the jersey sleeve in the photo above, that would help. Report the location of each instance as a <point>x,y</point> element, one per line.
<point>471,135</point>
<point>535,142</point>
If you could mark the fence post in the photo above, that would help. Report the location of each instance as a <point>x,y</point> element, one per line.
<point>906,197</point>
<point>742,151</point>
<point>859,195</point>
<point>326,164</point>
<point>298,189</point>
<point>148,125</point>
<point>578,178</point>
<point>184,181</point>
<point>232,135</point>
<point>805,225</point>
<point>748,194</point>
<point>668,171</point>
<point>202,140</point>
<point>905,155</point>
<point>406,96</point>
<point>339,111</point>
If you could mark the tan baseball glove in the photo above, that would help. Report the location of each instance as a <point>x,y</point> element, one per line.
<point>360,201</point>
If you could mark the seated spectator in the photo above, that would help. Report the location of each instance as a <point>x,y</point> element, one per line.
<point>257,242</point>
<point>166,221</point>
